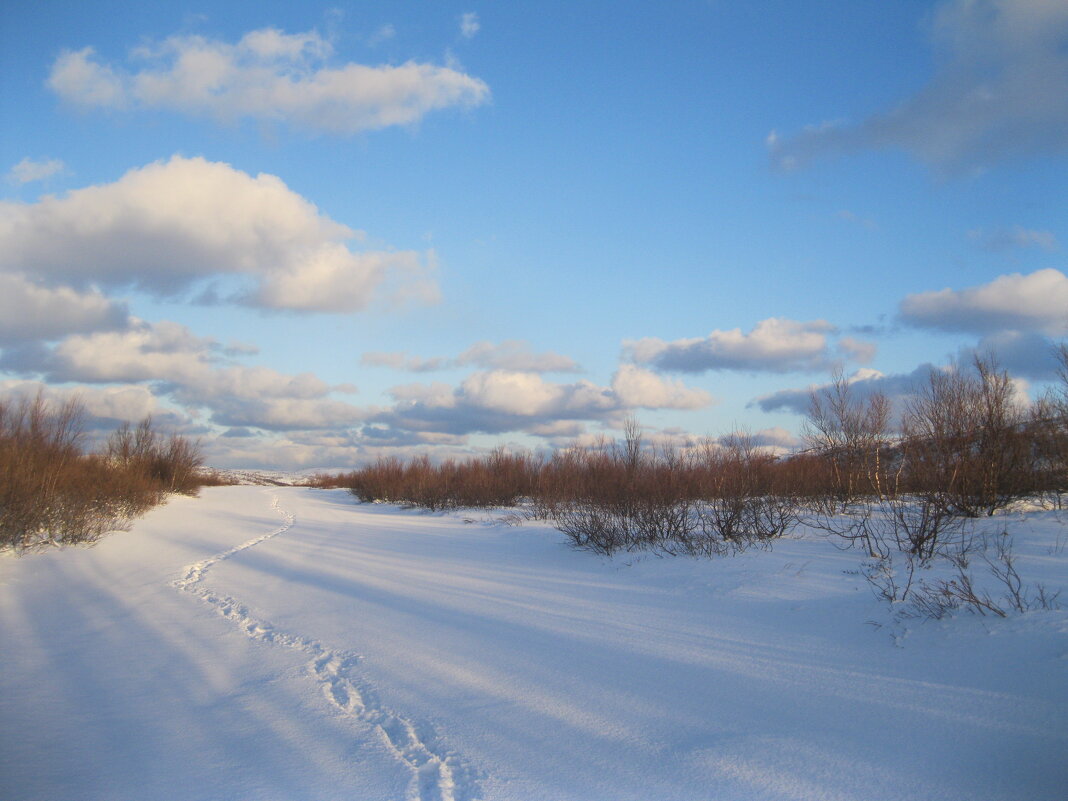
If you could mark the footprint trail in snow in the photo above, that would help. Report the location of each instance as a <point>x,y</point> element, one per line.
<point>437,775</point>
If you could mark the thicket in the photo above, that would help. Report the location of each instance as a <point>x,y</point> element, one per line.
<point>53,492</point>
<point>965,446</point>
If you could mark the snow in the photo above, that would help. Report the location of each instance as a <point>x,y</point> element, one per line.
<point>289,643</point>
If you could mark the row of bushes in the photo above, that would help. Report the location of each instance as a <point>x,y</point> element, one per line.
<point>965,446</point>
<point>53,492</point>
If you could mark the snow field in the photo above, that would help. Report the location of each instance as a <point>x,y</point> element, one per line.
<point>287,643</point>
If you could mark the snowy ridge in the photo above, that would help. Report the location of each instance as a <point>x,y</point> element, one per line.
<point>436,774</point>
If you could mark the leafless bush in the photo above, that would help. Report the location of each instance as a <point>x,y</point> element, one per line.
<point>53,493</point>
<point>498,479</point>
<point>1048,425</point>
<point>901,536</point>
<point>213,478</point>
<point>620,497</point>
<point>742,502</point>
<point>172,463</point>
<point>967,439</point>
<point>722,498</point>
<point>936,599</point>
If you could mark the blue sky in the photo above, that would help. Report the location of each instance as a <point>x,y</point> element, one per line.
<point>314,235</point>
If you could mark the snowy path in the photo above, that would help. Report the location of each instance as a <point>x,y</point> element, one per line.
<point>433,775</point>
<point>289,644</point>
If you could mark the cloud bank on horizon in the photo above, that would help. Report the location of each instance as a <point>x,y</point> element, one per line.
<point>261,237</point>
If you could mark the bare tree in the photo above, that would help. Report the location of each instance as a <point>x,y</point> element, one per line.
<point>966,439</point>
<point>851,434</point>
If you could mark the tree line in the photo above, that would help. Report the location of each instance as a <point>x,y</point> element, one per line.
<point>964,446</point>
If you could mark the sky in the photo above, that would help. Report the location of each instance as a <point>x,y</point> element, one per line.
<point>316,235</point>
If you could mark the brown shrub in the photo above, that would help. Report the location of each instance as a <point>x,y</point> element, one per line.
<point>53,493</point>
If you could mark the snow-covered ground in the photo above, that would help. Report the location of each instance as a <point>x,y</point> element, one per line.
<point>286,643</point>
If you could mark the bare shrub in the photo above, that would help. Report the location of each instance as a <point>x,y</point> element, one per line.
<point>901,535</point>
<point>720,499</point>
<point>172,463</point>
<point>51,493</point>
<point>498,479</point>
<point>213,478</point>
<point>938,598</point>
<point>621,497</point>
<point>743,502</point>
<point>1048,425</point>
<point>967,439</point>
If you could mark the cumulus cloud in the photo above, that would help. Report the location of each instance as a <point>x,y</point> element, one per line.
<point>285,414</point>
<point>28,170</point>
<point>266,75</point>
<point>999,92</point>
<point>1035,302</point>
<point>1000,240</point>
<point>529,395</point>
<point>635,387</point>
<point>192,371</point>
<point>774,345</point>
<point>165,227</point>
<point>30,312</point>
<point>105,406</point>
<point>500,400</point>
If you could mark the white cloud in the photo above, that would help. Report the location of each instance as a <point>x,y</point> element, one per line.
<point>1035,302</point>
<point>30,312</point>
<point>515,355</point>
<point>79,79</point>
<point>191,370</point>
<point>635,387</point>
<point>104,405</point>
<point>284,414</point>
<point>999,92</point>
<point>520,394</point>
<point>28,170</point>
<point>502,400</point>
<point>774,345</point>
<point>164,227</point>
<point>469,25</point>
<point>266,75</point>
<point>776,437</point>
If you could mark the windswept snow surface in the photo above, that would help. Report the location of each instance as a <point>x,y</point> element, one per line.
<point>287,643</point>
